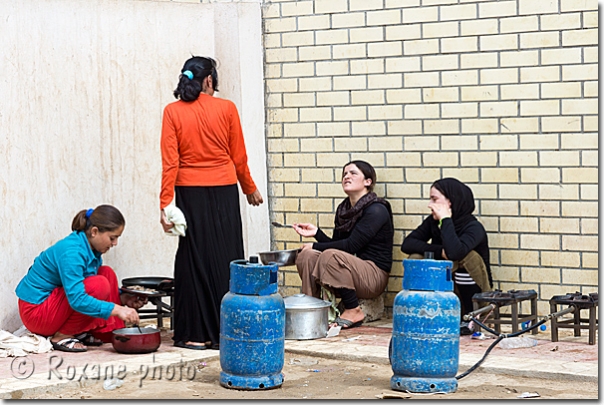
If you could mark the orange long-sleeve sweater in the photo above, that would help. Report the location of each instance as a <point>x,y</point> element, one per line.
<point>202,145</point>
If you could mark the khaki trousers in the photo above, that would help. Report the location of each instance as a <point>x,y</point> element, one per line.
<point>337,269</point>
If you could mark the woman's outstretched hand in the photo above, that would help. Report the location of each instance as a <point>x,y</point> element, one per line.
<point>255,198</point>
<point>163,220</point>
<point>306,230</point>
<point>133,301</point>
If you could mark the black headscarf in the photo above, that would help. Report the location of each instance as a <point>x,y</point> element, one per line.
<point>347,215</point>
<point>462,201</point>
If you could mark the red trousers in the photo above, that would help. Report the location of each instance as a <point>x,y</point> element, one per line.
<point>56,315</point>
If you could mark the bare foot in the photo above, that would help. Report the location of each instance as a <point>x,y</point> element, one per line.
<point>353,315</point>
<point>189,343</point>
<point>57,337</point>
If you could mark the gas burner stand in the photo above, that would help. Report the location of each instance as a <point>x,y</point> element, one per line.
<point>578,302</point>
<point>512,298</point>
<point>164,287</point>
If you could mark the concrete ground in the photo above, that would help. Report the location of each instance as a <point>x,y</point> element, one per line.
<point>571,359</point>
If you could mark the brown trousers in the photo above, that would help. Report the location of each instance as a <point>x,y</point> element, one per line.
<point>337,269</point>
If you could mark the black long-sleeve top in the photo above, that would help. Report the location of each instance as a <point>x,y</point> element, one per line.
<point>471,237</point>
<point>370,239</point>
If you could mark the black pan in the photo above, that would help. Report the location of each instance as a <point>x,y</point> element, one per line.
<point>141,293</point>
<point>152,282</point>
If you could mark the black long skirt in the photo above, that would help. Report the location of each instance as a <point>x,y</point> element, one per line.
<point>201,267</point>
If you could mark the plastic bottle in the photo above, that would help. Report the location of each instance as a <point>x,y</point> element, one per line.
<point>517,342</point>
<point>112,383</point>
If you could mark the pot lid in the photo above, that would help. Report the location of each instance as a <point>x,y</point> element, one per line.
<point>303,301</point>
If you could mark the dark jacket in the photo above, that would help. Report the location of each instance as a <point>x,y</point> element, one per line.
<point>458,235</point>
<point>472,236</point>
<point>370,239</point>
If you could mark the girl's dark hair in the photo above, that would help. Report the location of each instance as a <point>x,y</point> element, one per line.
<point>201,67</point>
<point>367,170</point>
<point>104,217</point>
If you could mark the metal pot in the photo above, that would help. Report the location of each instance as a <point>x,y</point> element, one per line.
<point>306,317</point>
<point>136,340</point>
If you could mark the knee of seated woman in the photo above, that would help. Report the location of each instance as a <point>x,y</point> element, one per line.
<point>472,259</point>
<point>331,256</point>
<point>98,287</point>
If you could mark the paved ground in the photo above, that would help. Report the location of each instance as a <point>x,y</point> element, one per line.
<point>570,359</point>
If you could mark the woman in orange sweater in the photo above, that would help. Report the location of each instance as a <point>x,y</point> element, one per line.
<point>203,158</point>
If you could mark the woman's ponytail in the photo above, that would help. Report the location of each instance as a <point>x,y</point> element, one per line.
<point>193,73</point>
<point>79,221</point>
<point>187,89</point>
<point>104,217</point>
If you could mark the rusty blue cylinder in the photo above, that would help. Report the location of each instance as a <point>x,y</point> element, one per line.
<point>252,328</point>
<point>425,329</point>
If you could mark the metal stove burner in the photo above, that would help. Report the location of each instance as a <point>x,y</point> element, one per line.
<point>577,299</point>
<point>503,298</point>
<point>165,288</point>
<point>576,302</point>
<point>513,298</point>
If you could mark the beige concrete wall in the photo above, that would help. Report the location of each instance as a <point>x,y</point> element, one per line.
<point>500,94</point>
<point>83,88</point>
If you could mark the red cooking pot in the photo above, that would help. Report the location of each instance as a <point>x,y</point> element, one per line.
<point>136,340</point>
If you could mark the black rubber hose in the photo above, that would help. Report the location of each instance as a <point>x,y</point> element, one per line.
<point>475,366</point>
<point>483,326</point>
<point>520,332</point>
<point>500,337</point>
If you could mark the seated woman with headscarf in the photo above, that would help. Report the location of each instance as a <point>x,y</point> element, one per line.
<point>356,261</point>
<point>456,235</point>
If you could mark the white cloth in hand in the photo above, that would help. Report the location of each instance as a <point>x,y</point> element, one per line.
<point>175,215</point>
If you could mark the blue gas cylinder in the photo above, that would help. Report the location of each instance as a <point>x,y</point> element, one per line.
<point>252,328</point>
<point>425,329</point>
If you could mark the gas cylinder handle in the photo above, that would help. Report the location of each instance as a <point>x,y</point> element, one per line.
<point>273,276</point>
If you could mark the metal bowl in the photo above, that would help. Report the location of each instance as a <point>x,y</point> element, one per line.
<point>279,257</point>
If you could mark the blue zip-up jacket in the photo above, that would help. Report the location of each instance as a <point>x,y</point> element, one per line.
<point>65,264</point>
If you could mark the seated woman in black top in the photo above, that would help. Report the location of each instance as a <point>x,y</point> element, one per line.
<point>455,235</point>
<point>355,263</point>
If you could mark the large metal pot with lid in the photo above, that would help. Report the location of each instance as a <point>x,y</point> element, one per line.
<point>306,317</point>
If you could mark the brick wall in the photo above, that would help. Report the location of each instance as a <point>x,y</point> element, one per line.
<point>500,94</point>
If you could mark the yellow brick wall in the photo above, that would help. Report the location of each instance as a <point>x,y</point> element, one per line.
<point>500,94</point>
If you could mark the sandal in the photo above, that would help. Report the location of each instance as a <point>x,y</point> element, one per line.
<point>67,345</point>
<point>346,324</point>
<point>212,346</point>
<point>88,339</point>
